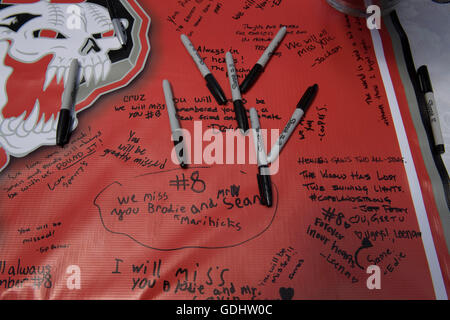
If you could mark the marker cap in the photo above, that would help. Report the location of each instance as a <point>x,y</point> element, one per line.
<point>241,115</point>
<point>265,188</point>
<point>251,78</point>
<point>440,148</point>
<point>272,47</point>
<point>201,66</point>
<point>119,30</point>
<point>215,89</point>
<point>308,97</point>
<point>179,149</point>
<point>424,79</point>
<point>232,76</point>
<point>64,128</point>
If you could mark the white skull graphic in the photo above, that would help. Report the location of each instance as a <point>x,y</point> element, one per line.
<point>29,32</point>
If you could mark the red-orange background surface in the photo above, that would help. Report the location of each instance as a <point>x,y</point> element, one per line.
<point>272,254</point>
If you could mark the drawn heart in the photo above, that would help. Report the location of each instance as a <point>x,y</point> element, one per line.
<point>366,243</point>
<point>286,293</point>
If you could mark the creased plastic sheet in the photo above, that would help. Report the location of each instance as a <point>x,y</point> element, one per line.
<point>111,216</point>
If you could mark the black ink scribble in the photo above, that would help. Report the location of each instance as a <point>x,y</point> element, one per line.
<point>181,247</point>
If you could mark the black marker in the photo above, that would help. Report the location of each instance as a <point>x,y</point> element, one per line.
<point>117,24</point>
<point>239,109</point>
<point>427,89</point>
<point>302,107</point>
<point>256,71</point>
<point>67,113</point>
<point>263,176</point>
<point>211,82</point>
<point>177,134</point>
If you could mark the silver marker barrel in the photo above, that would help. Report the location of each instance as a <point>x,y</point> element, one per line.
<point>177,133</point>
<point>263,176</point>
<point>67,112</point>
<point>239,109</point>
<point>211,82</point>
<point>68,96</point>
<point>431,108</point>
<point>272,47</point>
<point>120,31</point>
<point>258,68</point>
<point>287,131</point>
<point>195,56</point>
<point>261,156</point>
<point>118,27</point>
<point>303,105</point>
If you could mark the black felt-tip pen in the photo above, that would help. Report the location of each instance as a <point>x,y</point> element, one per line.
<point>117,24</point>
<point>302,106</point>
<point>258,68</point>
<point>67,113</point>
<point>263,176</point>
<point>177,133</point>
<point>239,109</point>
<point>427,89</point>
<point>211,82</point>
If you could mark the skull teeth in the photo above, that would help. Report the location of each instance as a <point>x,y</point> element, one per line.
<point>4,128</point>
<point>49,75</point>
<point>15,122</point>
<point>93,72</point>
<point>106,69</point>
<point>30,123</point>
<point>20,141</point>
<point>66,76</point>
<point>61,72</point>
<point>88,73</point>
<point>40,125</point>
<point>20,131</point>
<point>21,127</point>
<point>49,125</point>
<point>98,72</point>
<point>55,123</point>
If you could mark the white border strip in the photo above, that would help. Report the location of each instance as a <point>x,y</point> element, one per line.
<point>413,180</point>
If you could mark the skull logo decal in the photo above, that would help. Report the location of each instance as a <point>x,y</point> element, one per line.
<point>37,46</point>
